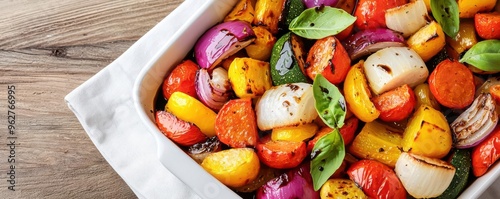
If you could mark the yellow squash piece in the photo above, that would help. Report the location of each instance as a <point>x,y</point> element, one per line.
<point>191,110</point>
<point>357,94</point>
<point>233,167</point>
<point>249,77</point>
<point>243,11</point>
<point>262,46</point>
<point>428,133</point>
<point>294,133</point>
<point>427,41</point>
<point>378,141</point>
<point>341,189</point>
<point>468,8</point>
<point>268,14</point>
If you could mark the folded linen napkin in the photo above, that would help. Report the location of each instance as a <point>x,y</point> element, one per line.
<point>104,107</point>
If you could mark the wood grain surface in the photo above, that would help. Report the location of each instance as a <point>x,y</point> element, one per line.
<point>48,48</point>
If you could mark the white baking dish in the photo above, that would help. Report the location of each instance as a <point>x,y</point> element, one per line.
<point>171,156</point>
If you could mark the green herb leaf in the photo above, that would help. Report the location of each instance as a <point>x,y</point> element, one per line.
<point>446,14</point>
<point>327,156</point>
<point>320,22</point>
<point>328,153</point>
<point>485,55</point>
<point>330,104</point>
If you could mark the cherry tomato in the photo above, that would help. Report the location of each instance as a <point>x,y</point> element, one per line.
<point>370,14</point>
<point>452,84</point>
<point>347,131</point>
<point>486,153</point>
<point>236,125</point>
<point>340,172</point>
<point>328,57</point>
<point>395,105</point>
<point>345,33</point>
<point>495,93</point>
<point>487,25</point>
<point>281,154</point>
<point>376,180</point>
<point>181,132</point>
<point>182,79</point>
<point>323,131</point>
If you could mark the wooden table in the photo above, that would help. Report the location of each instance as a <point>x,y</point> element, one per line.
<point>48,48</point>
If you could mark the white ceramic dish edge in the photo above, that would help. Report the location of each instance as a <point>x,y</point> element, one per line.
<point>170,155</point>
<point>207,14</point>
<point>481,184</point>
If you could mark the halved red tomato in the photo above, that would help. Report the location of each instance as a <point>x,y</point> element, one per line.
<point>236,124</point>
<point>182,79</point>
<point>281,154</point>
<point>395,105</point>
<point>370,14</point>
<point>347,131</point>
<point>328,57</point>
<point>486,153</point>
<point>179,131</point>
<point>376,180</point>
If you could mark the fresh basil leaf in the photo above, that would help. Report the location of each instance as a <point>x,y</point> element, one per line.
<point>328,153</point>
<point>446,14</point>
<point>320,22</point>
<point>330,104</point>
<point>327,156</point>
<point>485,55</point>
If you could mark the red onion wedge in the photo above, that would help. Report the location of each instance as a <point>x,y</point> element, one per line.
<point>371,40</point>
<point>296,183</point>
<point>213,90</point>
<point>475,123</point>
<point>222,41</point>
<point>318,3</point>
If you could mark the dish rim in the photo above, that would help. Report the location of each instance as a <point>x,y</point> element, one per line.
<point>200,181</point>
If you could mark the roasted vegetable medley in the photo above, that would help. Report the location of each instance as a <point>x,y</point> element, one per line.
<point>341,98</point>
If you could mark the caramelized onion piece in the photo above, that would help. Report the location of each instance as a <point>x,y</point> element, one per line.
<point>475,123</point>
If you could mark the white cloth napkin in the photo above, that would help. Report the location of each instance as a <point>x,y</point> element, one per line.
<point>104,107</point>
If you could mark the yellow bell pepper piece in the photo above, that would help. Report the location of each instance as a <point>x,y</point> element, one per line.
<point>233,167</point>
<point>427,41</point>
<point>424,96</point>
<point>468,8</point>
<point>191,110</point>
<point>262,46</point>
<point>427,4</point>
<point>341,189</point>
<point>268,14</point>
<point>249,77</point>
<point>294,133</point>
<point>428,133</point>
<point>357,94</point>
<point>466,37</point>
<point>243,11</point>
<point>377,141</point>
